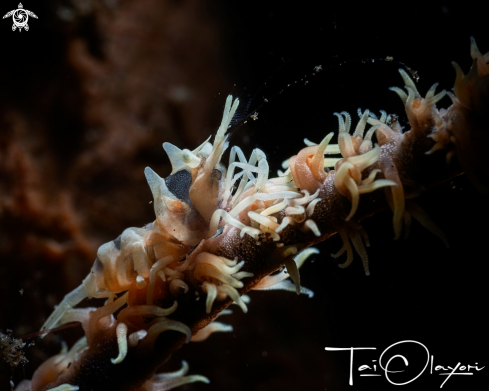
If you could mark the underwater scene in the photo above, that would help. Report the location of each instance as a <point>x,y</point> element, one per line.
<point>289,169</point>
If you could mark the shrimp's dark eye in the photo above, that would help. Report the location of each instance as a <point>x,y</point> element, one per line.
<point>179,184</point>
<point>216,174</point>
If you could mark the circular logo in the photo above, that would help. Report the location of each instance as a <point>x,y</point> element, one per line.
<point>20,17</point>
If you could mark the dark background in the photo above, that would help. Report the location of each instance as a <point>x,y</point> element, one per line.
<point>91,91</point>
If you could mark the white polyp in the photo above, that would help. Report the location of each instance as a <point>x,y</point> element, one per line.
<point>365,160</point>
<point>263,220</point>
<point>244,185</point>
<point>321,149</point>
<point>229,262</point>
<point>383,116</point>
<point>171,375</point>
<point>474,50</point>
<point>304,254</point>
<point>172,274</point>
<point>211,295</point>
<point>230,180</point>
<point>157,266</point>
<point>216,218</point>
<point>135,337</point>
<point>438,120</point>
<point>264,169</point>
<point>275,236</point>
<point>313,227</point>
<point>190,159</point>
<point>331,149</point>
<point>410,98</point>
<point>370,132</point>
<point>276,281</point>
<point>205,257</point>
<point>362,123</point>
<point>293,272</point>
<point>362,189</point>
<point>65,387</point>
<point>213,327</point>
<point>241,275</point>
<point>314,195</point>
<point>354,195</point>
<point>270,281</point>
<point>365,146</point>
<point>177,284</point>
<point>371,176</point>
<point>261,197</point>
<point>236,151</point>
<point>347,120</point>
<point>399,92</point>
<point>311,206</point>
<point>64,348</point>
<point>302,200</point>
<point>431,91</point>
<point>294,210</point>
<point>140,282</point>
<point>408,81</point>
<point>341,122</point>
<point>289,251</point>
<point>274,208</point>
<point>432,100</point>
<point>289,287</point>
<point>121,332</point>
<point>170,384</point>
<point>159,326</point>
<point>253,232</point>
<point>285,222</point>
<point>241,164</point>
<point>234,295</point>
<point>372,115</point>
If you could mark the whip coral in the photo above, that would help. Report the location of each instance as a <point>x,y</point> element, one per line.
<point>219,233</point>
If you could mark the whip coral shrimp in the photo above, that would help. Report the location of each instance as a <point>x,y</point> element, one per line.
<point>146,267</point>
